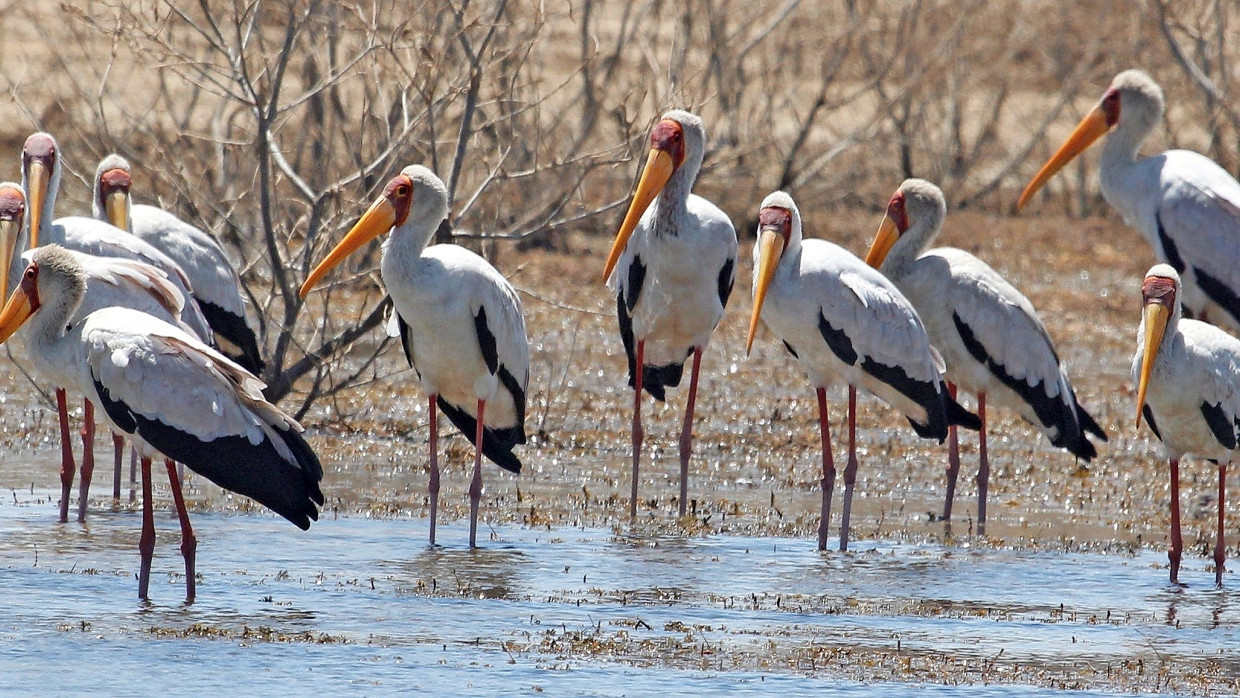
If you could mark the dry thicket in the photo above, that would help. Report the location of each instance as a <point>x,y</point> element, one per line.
<point>272,123</point>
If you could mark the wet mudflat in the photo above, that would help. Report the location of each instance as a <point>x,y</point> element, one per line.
<point>1067,591</point>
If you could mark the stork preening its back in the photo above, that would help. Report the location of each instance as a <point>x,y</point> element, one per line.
<point>990,336</point>
<point>845,323</point>
<point>1184,204</point>
<point>672,267</point>
<point>458,319</point>
<point>216,285</point>
<point>173,395</point>
<point>1187,375</point>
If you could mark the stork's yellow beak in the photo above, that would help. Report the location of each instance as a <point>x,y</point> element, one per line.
<point>884,239</point>
<point>770,250</point>
<point>1091,128</point>
<point>1156,318</point>
<point>15,313</point>
<point>9,232</point>
<point>116,210</point>
<point>38,179</point>
<point>377,220</point>
<point>659,169</point>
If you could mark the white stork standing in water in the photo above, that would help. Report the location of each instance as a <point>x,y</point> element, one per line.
<point>987,331</point>
<point>216,286</point>
<point>1188,388</point>
<point>110,281</point>
<point>172,394</point>
<point>41,175</point>
<point>459,321</point>
<point>674,263</point>
<point>845,323</point>
<point>1185,205</point>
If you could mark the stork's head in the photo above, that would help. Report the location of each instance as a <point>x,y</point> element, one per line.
<point>917,204</point>
<point>54,276</point>
<point>40,169</point>
<point>415,196</point>
<point>1132,100</point>
<point>12,214</point>
<point>1160,298</point>
<point>779,222</point>
<point>113,180</point>
<point>677,143</point>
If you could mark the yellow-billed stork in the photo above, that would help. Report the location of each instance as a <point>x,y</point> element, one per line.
<point>458,319</point>
<point>845,323</point>
<point>172,394</point>
<point>672,267</point>
<point>1184,204</point>
<point>987,331</point>
<point>1188,389</point>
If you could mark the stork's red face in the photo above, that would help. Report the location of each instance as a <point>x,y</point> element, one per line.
<point>399,191</point>
<point>38,163</point>
<point>778,219</point>
<point>897,212</point>
<point>1110,106</point>
<point>22,304</point>
<point>1160,290</point>
<point>669,136</point>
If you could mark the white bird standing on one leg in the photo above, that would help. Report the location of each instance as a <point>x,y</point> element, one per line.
<point>459,320</point>
<point>987,331</point>
<point>674,262</point>
<point>1188,389</point>
<point>845,323</point>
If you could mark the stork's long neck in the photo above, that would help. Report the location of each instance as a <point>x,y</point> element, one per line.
<point>1120,153</point>
<point>909,247</point>
<point>673,201</point>
<point>47,329</point>
<point>406,241</point>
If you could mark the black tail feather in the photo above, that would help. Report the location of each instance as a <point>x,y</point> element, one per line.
<point>958,415</point>
<point>234,329</point>
<point>497,444</point>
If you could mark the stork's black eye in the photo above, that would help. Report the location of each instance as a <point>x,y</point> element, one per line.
<point>30,273</point>
<point>402,190</point>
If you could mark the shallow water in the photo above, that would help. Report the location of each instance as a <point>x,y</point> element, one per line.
<point>365,604</point>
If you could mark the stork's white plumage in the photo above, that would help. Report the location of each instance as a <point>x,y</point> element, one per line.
<point>1188,389</point>
<point>990,336</point>
<point>172,394</point>
<point>458,319</point>
<point>845,323</point>
<point>110,281</point>
<point>1183,203</point>
<point>216,286</point>
<point>672,267</point>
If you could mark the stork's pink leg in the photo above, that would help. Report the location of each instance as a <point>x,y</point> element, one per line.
<point>983,467</point>
<point>475,485</point>
<point>686,434</point>
<point>1177,540</point>
<point>953,462</point>
<point>433,487</point>
<point>88,456</point>
<point>828,469</point>
<point>118,459</point>
<point>850,470</point>
<point>189,542</point>
<point>67,465</point>
<point>637,427</point>
<point>133,470</point>
<point>1220,551</point>
<point>146,544</point>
